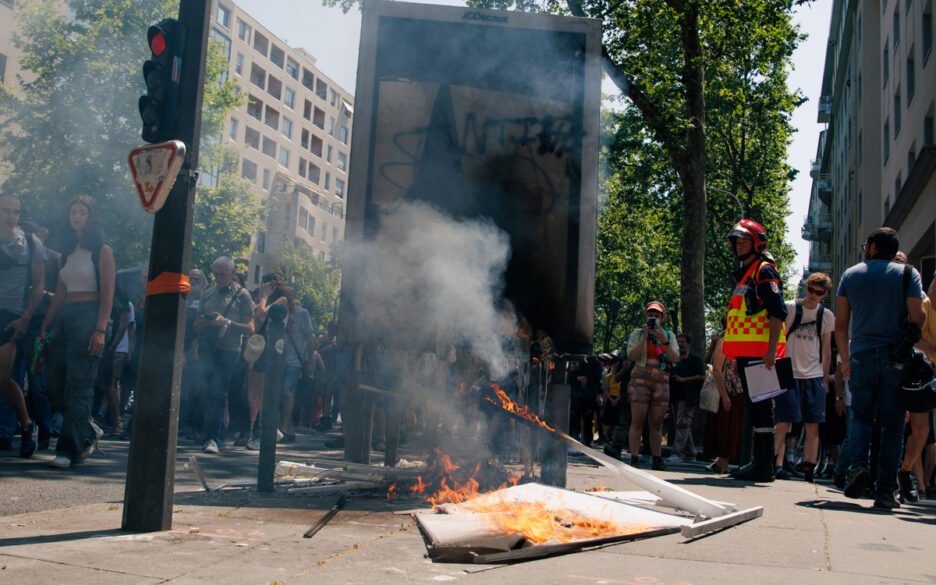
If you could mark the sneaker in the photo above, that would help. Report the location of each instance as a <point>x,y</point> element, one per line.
<point>211,447</point>
<point>782,473</point>
<point>885,500</point>
<point>859,479</point>
<point>279,436</point>
<point>30,440</point>
<point>809,473</point>
<point>908,487</point>
<point>657,464</point>
<point>60,462</point>
<point>839,480</point>
<point>253,445</point>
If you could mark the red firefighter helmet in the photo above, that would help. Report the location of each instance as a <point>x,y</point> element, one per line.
<point>747,228</point>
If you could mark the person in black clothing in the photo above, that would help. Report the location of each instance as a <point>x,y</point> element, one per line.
<point>686,380</point>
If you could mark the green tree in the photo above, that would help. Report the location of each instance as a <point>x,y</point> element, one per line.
<point>316,281</point>
<point>71,126</point>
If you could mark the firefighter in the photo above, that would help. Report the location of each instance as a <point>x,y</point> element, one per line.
<point>756,315</point>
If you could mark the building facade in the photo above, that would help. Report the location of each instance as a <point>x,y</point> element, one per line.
<point>293,135</point>
<point>876,160</point>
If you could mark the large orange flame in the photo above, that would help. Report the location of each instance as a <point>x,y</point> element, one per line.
<point>510,406</point>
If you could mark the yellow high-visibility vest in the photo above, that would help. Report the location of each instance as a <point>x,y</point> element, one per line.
<point>748,335</point>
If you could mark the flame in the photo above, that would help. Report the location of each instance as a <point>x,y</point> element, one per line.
<point>540,524</point>
<point>510,406</point>
<point>390,490</point>
<point>419,487</point>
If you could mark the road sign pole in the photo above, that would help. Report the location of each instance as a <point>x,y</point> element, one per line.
<point>151,465</point>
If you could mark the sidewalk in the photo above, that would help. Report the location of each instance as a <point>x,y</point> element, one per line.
<point>808,534</point>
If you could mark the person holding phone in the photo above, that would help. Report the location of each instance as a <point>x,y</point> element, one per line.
<point>653,350</point>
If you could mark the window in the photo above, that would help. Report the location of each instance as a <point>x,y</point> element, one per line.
<point>327,184</point>
<point>289,98</point>
<point>279,186</point>
<point>324,230</point>
<point>224,15</point>
<point>331,126</point>
<point>328,153</point>
<point>315,145</point>
<point>286,128</point>
<point>886,65</point>
<point>272,118</point>
<point>304,139</point>
<point>261,44</point>
<point>318,118</point>
<point>339,188</point>
<point>343,134</point>
<point>249,170</point>
<point>927,33</point>
<point>254,107</point>
<point>243,31</point>
<point>896,29</point>
<point>897,186</point>
<point>897,112</point>
<point>308,79</point>
<point>303,218</point>
<point>292,68</point>
<point>307,110</point>
<point>333,97</point>
<point>269,147</point>
<point>311,228</point>
<point>886,141</point>
<point>277,56</point>
<point>337,210</point>
<point>321,88</point>
<point>261,242</point>
<point>284,157</point>
<point>911,76</point>
<point>321,255</point>
<point>232,130</point>
<point>257,76</point>
<point>274,87</point>
<point>911,158</point>
<point>216,35</point>
<point>239,64</point>
<point>314,173</point>
<point>266,178</point>
<point>342,161</point>
<point>302,167</point>
<point>252,138</point>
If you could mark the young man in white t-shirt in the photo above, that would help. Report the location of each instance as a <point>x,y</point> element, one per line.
<point>809,348</point>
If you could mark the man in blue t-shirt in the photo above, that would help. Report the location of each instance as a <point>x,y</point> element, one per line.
<point>872,301</point>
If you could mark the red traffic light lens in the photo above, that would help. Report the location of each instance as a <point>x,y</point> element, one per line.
<point>158,44</point>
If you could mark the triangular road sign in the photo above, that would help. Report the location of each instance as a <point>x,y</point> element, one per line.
<point>154,169</point>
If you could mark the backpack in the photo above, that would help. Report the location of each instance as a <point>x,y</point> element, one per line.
<point>797,321</point>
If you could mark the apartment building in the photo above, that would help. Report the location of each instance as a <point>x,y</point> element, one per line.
<point>876,160</point>
<point>293,135</point>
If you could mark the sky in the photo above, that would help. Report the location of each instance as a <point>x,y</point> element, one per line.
<point>333,38</point>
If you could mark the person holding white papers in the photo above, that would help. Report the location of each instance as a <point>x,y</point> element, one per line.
<point>755,331</point>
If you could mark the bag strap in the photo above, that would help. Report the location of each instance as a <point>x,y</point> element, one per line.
<point>797,319</point>
<point>230,304</point>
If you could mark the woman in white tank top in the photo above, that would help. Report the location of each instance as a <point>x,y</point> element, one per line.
<point>80,312</point>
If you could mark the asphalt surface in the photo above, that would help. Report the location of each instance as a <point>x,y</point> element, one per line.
<point>64,527</point>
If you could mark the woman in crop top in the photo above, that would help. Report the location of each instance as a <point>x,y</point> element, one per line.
<point>80,312</point>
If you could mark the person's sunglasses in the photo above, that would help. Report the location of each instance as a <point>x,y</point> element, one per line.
<point>819,292</point>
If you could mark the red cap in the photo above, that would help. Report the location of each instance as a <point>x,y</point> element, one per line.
<point>656,306</point>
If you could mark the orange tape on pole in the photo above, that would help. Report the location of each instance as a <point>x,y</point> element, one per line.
<point>168,282</point>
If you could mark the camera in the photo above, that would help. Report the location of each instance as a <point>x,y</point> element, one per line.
<point>651,323</point>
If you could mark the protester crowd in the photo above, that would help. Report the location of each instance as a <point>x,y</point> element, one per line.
<point>853,400</point>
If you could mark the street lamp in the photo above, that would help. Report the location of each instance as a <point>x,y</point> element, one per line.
<point>737,200</point>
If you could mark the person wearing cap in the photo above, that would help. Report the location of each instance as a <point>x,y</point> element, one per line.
<point>653,350</point>
<point>755,331</point>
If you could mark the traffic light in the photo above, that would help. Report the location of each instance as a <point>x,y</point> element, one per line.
<point>162,73</point>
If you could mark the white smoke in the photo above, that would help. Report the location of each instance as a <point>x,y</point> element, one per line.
<point>430,278</point>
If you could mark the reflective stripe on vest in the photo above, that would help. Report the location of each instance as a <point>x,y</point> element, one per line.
<point>748,335</point>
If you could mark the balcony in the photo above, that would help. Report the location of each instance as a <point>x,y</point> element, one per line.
<point>818,228</point>
<point>820,263</point>
<point>825,108</point>
<point>815,167</point>
<point>824,186</point>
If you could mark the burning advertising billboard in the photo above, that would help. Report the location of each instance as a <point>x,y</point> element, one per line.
<point>480,125</point>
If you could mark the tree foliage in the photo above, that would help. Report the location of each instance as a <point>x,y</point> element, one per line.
<point>316,281</point>
<point>70,127</point>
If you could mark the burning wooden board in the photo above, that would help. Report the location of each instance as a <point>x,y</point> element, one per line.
<point>532,521</point>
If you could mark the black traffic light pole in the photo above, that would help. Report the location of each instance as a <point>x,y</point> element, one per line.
<point>151,464</point>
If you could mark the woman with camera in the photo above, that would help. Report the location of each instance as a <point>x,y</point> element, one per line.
<point>653,350</point>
